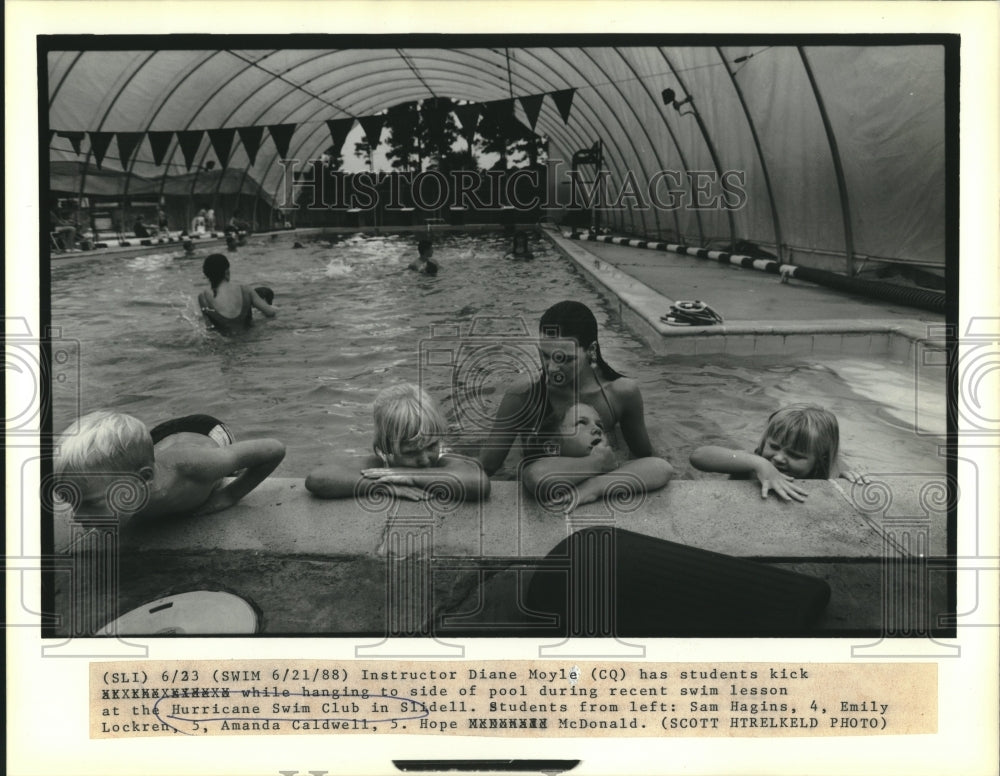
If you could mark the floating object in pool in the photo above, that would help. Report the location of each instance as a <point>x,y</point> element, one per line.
<point>297,244</point>
<point>205,425</point>
<point>695,313</point>
<point>265,293</point>
<point>197,612</point>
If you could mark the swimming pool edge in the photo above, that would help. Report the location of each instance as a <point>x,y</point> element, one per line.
<point>641,307</point>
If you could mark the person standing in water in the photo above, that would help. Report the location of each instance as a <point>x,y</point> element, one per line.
<point>424,263</point>
<point>229,306</point>
<point>573,372</point>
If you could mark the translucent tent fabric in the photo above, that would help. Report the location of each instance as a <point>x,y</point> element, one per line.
<point>869,179</point>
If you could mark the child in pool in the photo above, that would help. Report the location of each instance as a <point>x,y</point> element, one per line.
<point>424,264</point>
<point>519,248</point>
<point>800,442</point>
<point>408,457</point>
<point>579,433</point>
<point>181,474</point>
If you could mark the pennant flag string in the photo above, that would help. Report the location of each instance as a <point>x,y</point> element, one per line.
<point>281,134</point>
<point>532,105</point>
<point>339,130</point>
<point>372,126</point>
<point>222,143</point>
<point>469,115</point>
<point>73,137</point>
<point>99,142</point>
<point>160,142</point>
<point>251,137</point>
<point>189,141</point>
<point>127,143</point>
<point>563,100</point>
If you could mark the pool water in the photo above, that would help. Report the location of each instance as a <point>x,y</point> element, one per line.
<point>353,320</point>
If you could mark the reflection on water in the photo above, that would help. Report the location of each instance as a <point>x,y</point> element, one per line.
<point>352,320</point>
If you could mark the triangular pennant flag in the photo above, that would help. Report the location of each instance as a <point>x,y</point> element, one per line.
<point>500,111</point>
<point>564,101</point>
<point>281,134</point>
<point>189,140</point>
<point>99,142</point>
<point>52,134</point>
<point>222,143</point>
<point>339,129</point>
<point>251,138</point>
<point>468,115</point>
<point>532,104</point>
<point>160,142</point>
<point>74,138</point>
<point>372,126</point>
<point>127,143</point>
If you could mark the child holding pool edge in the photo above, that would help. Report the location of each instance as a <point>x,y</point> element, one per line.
<point>579,433</point>
<point>180,477</point>
<point>407,458</point>
<point>800,442</point>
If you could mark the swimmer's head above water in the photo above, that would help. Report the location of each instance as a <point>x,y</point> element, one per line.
<point>216,269</point>
<point>570,320</point>
<point>409,426</point>
<point>99,453</point>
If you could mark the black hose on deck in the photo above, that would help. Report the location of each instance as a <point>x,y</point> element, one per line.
<point>912,297</point>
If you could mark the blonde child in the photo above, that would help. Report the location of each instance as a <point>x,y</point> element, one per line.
<point>181,474</point>
<point>408,455</point>
<point>800,442</point>
<point>579,433</point>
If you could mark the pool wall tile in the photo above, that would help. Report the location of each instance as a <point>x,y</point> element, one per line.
<point>880,343</point>
<point>856,344</point>
<point>799,344</point>
<point>901,349</point>
<point>739,344</point>
<point>768,345</point>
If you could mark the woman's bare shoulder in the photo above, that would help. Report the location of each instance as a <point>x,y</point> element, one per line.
<point>625,387</point>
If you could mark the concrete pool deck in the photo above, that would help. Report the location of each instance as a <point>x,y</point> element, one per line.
<point>763,316</point>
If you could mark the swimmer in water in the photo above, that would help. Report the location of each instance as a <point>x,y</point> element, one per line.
<point>424,264</point>
<point>578,433</point>
<point>573,371</point>
<point>519,248</point>
<point>182,473</point>
<point>229,306</point>
<point>408,460</point>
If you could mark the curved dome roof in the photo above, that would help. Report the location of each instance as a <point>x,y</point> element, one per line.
<point>838,149</point>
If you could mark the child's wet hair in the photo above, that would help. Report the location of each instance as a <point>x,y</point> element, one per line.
<point>403,414</point>
<point>98,444</point>
<point>809,429</point>
<point>215,268</point>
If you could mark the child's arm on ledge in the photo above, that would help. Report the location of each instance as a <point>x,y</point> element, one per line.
<point>652,473</point>
<point>459,474</point>
<point>725,461</point>
<point>257,458</point>
<point>342,477</point>
<point>556,469</point>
